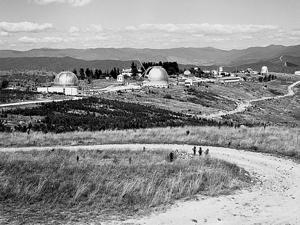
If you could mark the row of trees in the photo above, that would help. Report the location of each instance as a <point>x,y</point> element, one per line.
<point>267,78</point>
<point>90,74</point>
<point>87,73</point>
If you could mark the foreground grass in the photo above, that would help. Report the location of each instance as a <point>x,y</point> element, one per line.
<point>44,186</point>
<point>284,141</point>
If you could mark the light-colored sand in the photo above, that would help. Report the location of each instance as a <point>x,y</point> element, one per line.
<point>37,102</point>
<point>274,200</point>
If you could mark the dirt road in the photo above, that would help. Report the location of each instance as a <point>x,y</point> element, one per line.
<point>274,200</point>
<point>37,102</point>
<point>242,106</point>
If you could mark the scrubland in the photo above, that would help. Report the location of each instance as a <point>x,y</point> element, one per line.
<point>59,187</point>
<point>283,141</point>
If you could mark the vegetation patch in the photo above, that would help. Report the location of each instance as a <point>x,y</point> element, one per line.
<point>99,114</point>
<point>44,186</point>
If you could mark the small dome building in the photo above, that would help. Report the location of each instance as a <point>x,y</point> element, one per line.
<point>157,77</point>
<point>187,73</point>
<point>66,78</point>
<point>264,70</point>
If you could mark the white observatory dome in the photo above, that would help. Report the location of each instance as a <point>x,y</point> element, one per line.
<point>66,78</point>
<point>187,73</point>
<point>157,76</point>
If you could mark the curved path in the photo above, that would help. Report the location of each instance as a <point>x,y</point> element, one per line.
<point>37,102</point>
<point>273,200</point>
<point>242,106</point>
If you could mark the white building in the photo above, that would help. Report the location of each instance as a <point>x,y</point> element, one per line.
<point>230,79</point>
<point>214,72</point>
<point>157,77</point>
<point>220,70</point>
<point>120,78</point>
<point>188,82</point>
<point>264,70</point>
<point>297,72</point>
<point>65,82</point>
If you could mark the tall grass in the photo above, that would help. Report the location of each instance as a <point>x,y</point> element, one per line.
<point>283,141</point>
<point>105,182</point>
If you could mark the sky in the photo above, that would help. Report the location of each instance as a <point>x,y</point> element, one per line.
<point>224,24</point>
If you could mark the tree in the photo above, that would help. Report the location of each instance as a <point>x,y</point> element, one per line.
<point>81,74</point>
<point>4,84</point>
<point>134,70</point>
<point>74,71</point>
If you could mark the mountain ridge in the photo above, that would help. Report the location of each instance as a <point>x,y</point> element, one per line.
<point>206,56</point>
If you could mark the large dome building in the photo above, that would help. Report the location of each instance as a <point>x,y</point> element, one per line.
<point>66,78</point>
<point>157,77</point>
<point>65,82</point>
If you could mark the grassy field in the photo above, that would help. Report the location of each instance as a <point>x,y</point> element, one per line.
<point>53,187</point>
<point>283,141</point>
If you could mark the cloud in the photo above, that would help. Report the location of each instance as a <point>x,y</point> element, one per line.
<point>24,27</point>
<point>26,39</point>
<point>204,28</point>
<point>3,33</point>
<point>94,28</point>
<point>74,29</point>
<point>75,3</point>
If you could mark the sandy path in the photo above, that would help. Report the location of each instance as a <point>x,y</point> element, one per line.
<point>242,106</point>
<point>274,200</point>
<point>37,102</point>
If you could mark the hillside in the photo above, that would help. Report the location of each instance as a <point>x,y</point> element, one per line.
<point>57,64</point>
<point>199,56</point>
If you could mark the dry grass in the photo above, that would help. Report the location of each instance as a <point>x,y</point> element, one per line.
<point>282,141</point>
<point>44,186</point>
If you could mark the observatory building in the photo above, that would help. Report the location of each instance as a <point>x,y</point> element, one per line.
<point>187,73</point>
<point>264,70</point>
<point>157,77</point>
<point>65,82</point>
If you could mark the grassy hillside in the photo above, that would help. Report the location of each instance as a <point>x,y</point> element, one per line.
<point>59,64</point>
<point>54,188</point>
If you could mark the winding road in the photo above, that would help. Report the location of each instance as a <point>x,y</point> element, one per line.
<point>37,102</point>
<point>242,106</point>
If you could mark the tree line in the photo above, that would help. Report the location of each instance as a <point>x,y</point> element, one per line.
<point>267,78</point>
<point>90,74</point>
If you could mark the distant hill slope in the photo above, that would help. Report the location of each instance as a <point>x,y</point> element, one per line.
<point>197,56</point>
<point>59,64</point>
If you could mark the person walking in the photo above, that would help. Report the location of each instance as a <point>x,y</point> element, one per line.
<point>194,150</point>
<point>200,151</point>
<point>206,152</point>
<point>171,156</point>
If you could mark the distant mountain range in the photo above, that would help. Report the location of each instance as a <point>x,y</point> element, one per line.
<point>106,58</point>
